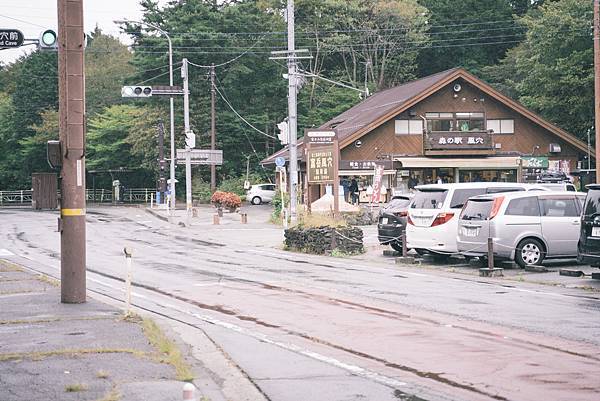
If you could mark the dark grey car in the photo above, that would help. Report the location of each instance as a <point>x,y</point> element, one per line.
<point>392,221</point>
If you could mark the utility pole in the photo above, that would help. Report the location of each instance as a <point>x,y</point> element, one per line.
<point>597,83</point>
<point>292,112</point>
<point>186,127</point>
<point>161,160</point>
<point>213,128</point>
<point>71,93</point>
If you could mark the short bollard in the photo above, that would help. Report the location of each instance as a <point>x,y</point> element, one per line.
<point>404,246</point>
<point>189,392</point>
<point>490,247</point>
<point>194,212</point>
<point>490,270</point>
<point>244,218</point>
<point>128,254</point>
<point>216,219</point>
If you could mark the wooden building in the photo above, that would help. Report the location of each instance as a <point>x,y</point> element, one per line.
<point>449,127</point>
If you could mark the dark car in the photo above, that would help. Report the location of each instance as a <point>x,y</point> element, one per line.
<point>392,221</point>
<point>588,248</point>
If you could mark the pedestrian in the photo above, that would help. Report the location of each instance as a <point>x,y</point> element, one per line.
<point>439,180</point>
<point>354,191</point>
<point>345,183</point>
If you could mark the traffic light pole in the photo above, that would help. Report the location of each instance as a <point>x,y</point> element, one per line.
<point>186,126</point>
<point>161,160</point>
<point>292,112</point>
<point>213,129</point>
<point>71,94</point>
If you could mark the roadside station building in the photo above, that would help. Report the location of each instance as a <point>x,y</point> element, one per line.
<point>449,127</point>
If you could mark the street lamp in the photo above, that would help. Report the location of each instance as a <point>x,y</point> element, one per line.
<point>173,155</point>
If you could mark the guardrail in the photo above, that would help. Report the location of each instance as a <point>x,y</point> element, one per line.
<point>132,195</point>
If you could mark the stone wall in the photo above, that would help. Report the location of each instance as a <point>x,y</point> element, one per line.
<point>322,240</point>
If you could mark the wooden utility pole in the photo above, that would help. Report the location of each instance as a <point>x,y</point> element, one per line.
<point>213,129</point>
<point>71,95</point>
<point>597,83</point>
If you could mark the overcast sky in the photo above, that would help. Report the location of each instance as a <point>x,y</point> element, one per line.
<point>33,16</point>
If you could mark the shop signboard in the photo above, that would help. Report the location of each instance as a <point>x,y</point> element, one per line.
<point>365,164</point>
<point>458,140</point>
<point>536,162</point>
<point>320,165</point>
<point>377,178</point>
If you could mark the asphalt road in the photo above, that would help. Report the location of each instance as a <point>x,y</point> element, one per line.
<point>304,327</point>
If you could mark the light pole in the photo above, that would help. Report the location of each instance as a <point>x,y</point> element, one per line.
<point>173,155</point>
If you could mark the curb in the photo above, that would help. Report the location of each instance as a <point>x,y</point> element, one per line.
<point>157,215</point>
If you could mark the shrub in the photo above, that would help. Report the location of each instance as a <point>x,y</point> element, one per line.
<point>226,199</point>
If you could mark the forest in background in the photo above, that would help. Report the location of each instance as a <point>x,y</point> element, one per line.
<point>538,52</point>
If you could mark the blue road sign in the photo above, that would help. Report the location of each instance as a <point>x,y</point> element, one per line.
<point>279,161</point>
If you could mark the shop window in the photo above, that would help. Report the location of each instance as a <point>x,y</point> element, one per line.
<point>501,126</point>
<point>409,127</point>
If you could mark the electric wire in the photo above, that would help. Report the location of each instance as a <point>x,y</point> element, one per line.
<point>23,21</point>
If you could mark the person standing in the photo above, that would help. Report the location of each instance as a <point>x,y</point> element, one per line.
<point>354,191</point>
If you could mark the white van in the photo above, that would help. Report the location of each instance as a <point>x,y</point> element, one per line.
<point>432,222</point>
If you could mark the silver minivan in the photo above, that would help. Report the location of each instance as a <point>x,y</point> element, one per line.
<point>526,227</point>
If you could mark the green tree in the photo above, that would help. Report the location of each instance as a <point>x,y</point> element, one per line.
<point>552,71</point>
<point>9,177</point>
<point>468,33</point>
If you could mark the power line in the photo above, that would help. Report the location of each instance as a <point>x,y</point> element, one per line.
<point>227,62</point>
<point>242,118</point>
<point>23,21</point>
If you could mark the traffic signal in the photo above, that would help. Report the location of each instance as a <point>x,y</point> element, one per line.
<point>283,135</point>
<point>136,91</point>
<point>48,40</point>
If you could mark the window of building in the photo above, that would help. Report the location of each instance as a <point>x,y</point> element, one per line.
<point>470,121</point>
<point>409,127</point>
<point>501,126</point>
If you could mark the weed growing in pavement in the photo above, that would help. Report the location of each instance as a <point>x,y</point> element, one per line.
<point>319,220</point>
<point>38,356</point>
<point>169,352</point>
<point>75,388</point>
<point>9,267</point>
<point>102,374</point>
<point>48,280</point>
<point>113,395</point>
<point>336,253</point>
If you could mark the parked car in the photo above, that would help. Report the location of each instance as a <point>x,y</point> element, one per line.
<point>588,248</point>
<point>526,227</point>
<point>559,186</point>
<point>392,221</point>
<point>433,213</point>
<point>261,193</point>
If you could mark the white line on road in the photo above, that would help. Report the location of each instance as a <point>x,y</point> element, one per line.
<point>5,252</point>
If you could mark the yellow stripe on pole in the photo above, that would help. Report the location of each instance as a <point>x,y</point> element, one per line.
<point>72,212</point>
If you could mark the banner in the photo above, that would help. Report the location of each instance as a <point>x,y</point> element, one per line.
<point>377,178</point>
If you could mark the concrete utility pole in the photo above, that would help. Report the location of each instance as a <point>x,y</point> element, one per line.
<point>597,83</point>
<point>292,112</point>
<point>213,128</point>
<point>161,160</point>
<point>186,127</point>
<point>71,94</point>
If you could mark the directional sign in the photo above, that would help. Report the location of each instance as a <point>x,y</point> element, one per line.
<point>201,156</point>
<point>280,161</point>
<point>10,38</point>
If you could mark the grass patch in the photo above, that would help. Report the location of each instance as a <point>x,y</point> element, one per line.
<point>16,292</point>
<point>75,388</point>
<point>38,356</point>
<point>168,350</point>
<point>102,374</point>
<point>336,253</point>
<point>113,395</point>
<point>48,280</point>
<point>9,267</point>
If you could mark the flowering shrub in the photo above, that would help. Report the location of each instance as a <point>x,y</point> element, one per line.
<point>226,199</point>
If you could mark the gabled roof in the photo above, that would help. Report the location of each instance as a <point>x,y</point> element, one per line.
<point>382,106</point>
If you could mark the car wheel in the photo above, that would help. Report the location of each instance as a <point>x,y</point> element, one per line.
<point>256,200</point>
<point>397,246</point>
<point>529,252</point>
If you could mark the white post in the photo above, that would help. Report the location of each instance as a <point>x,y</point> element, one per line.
<point>128,254</point>
<point>186,126</point>
<point>292,111</point>
<point>189,392</point>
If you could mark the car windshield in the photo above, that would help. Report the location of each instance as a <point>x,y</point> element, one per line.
<point>592,202</point>
<point>477,210</point>
<point>429,199</point>
<point>398,203</point>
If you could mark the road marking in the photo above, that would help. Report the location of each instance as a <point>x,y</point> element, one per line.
<point>354,369</point>
<point>6,252</point>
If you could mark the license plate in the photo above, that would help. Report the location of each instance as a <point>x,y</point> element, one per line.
<point>384,220</point>
<point>470,231</point>
<point>595,231</point>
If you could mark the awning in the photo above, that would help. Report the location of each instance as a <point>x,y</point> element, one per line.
<point>476,162</point>
<point>363,172</point>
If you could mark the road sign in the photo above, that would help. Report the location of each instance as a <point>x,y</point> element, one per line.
<point>11,38</point>
<point>201,156</point>
<point>280,161</point>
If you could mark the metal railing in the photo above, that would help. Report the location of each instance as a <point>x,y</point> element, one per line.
<point>130,195</point>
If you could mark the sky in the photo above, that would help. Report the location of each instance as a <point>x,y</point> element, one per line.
<point>34,16</point>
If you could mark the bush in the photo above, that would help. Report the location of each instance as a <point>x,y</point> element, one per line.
<point>278,204</point>
<point>236,184</point>
<point>228,200</point>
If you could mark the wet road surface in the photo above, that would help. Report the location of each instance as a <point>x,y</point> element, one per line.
<point>317,328</point>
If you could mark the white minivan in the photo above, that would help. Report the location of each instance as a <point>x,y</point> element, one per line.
<point>432,221</point>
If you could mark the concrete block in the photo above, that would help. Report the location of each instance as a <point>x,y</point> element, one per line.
<point>536,269</point>
<point>493,272</point>
<point>390,252</point>
<point>407,260</point>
